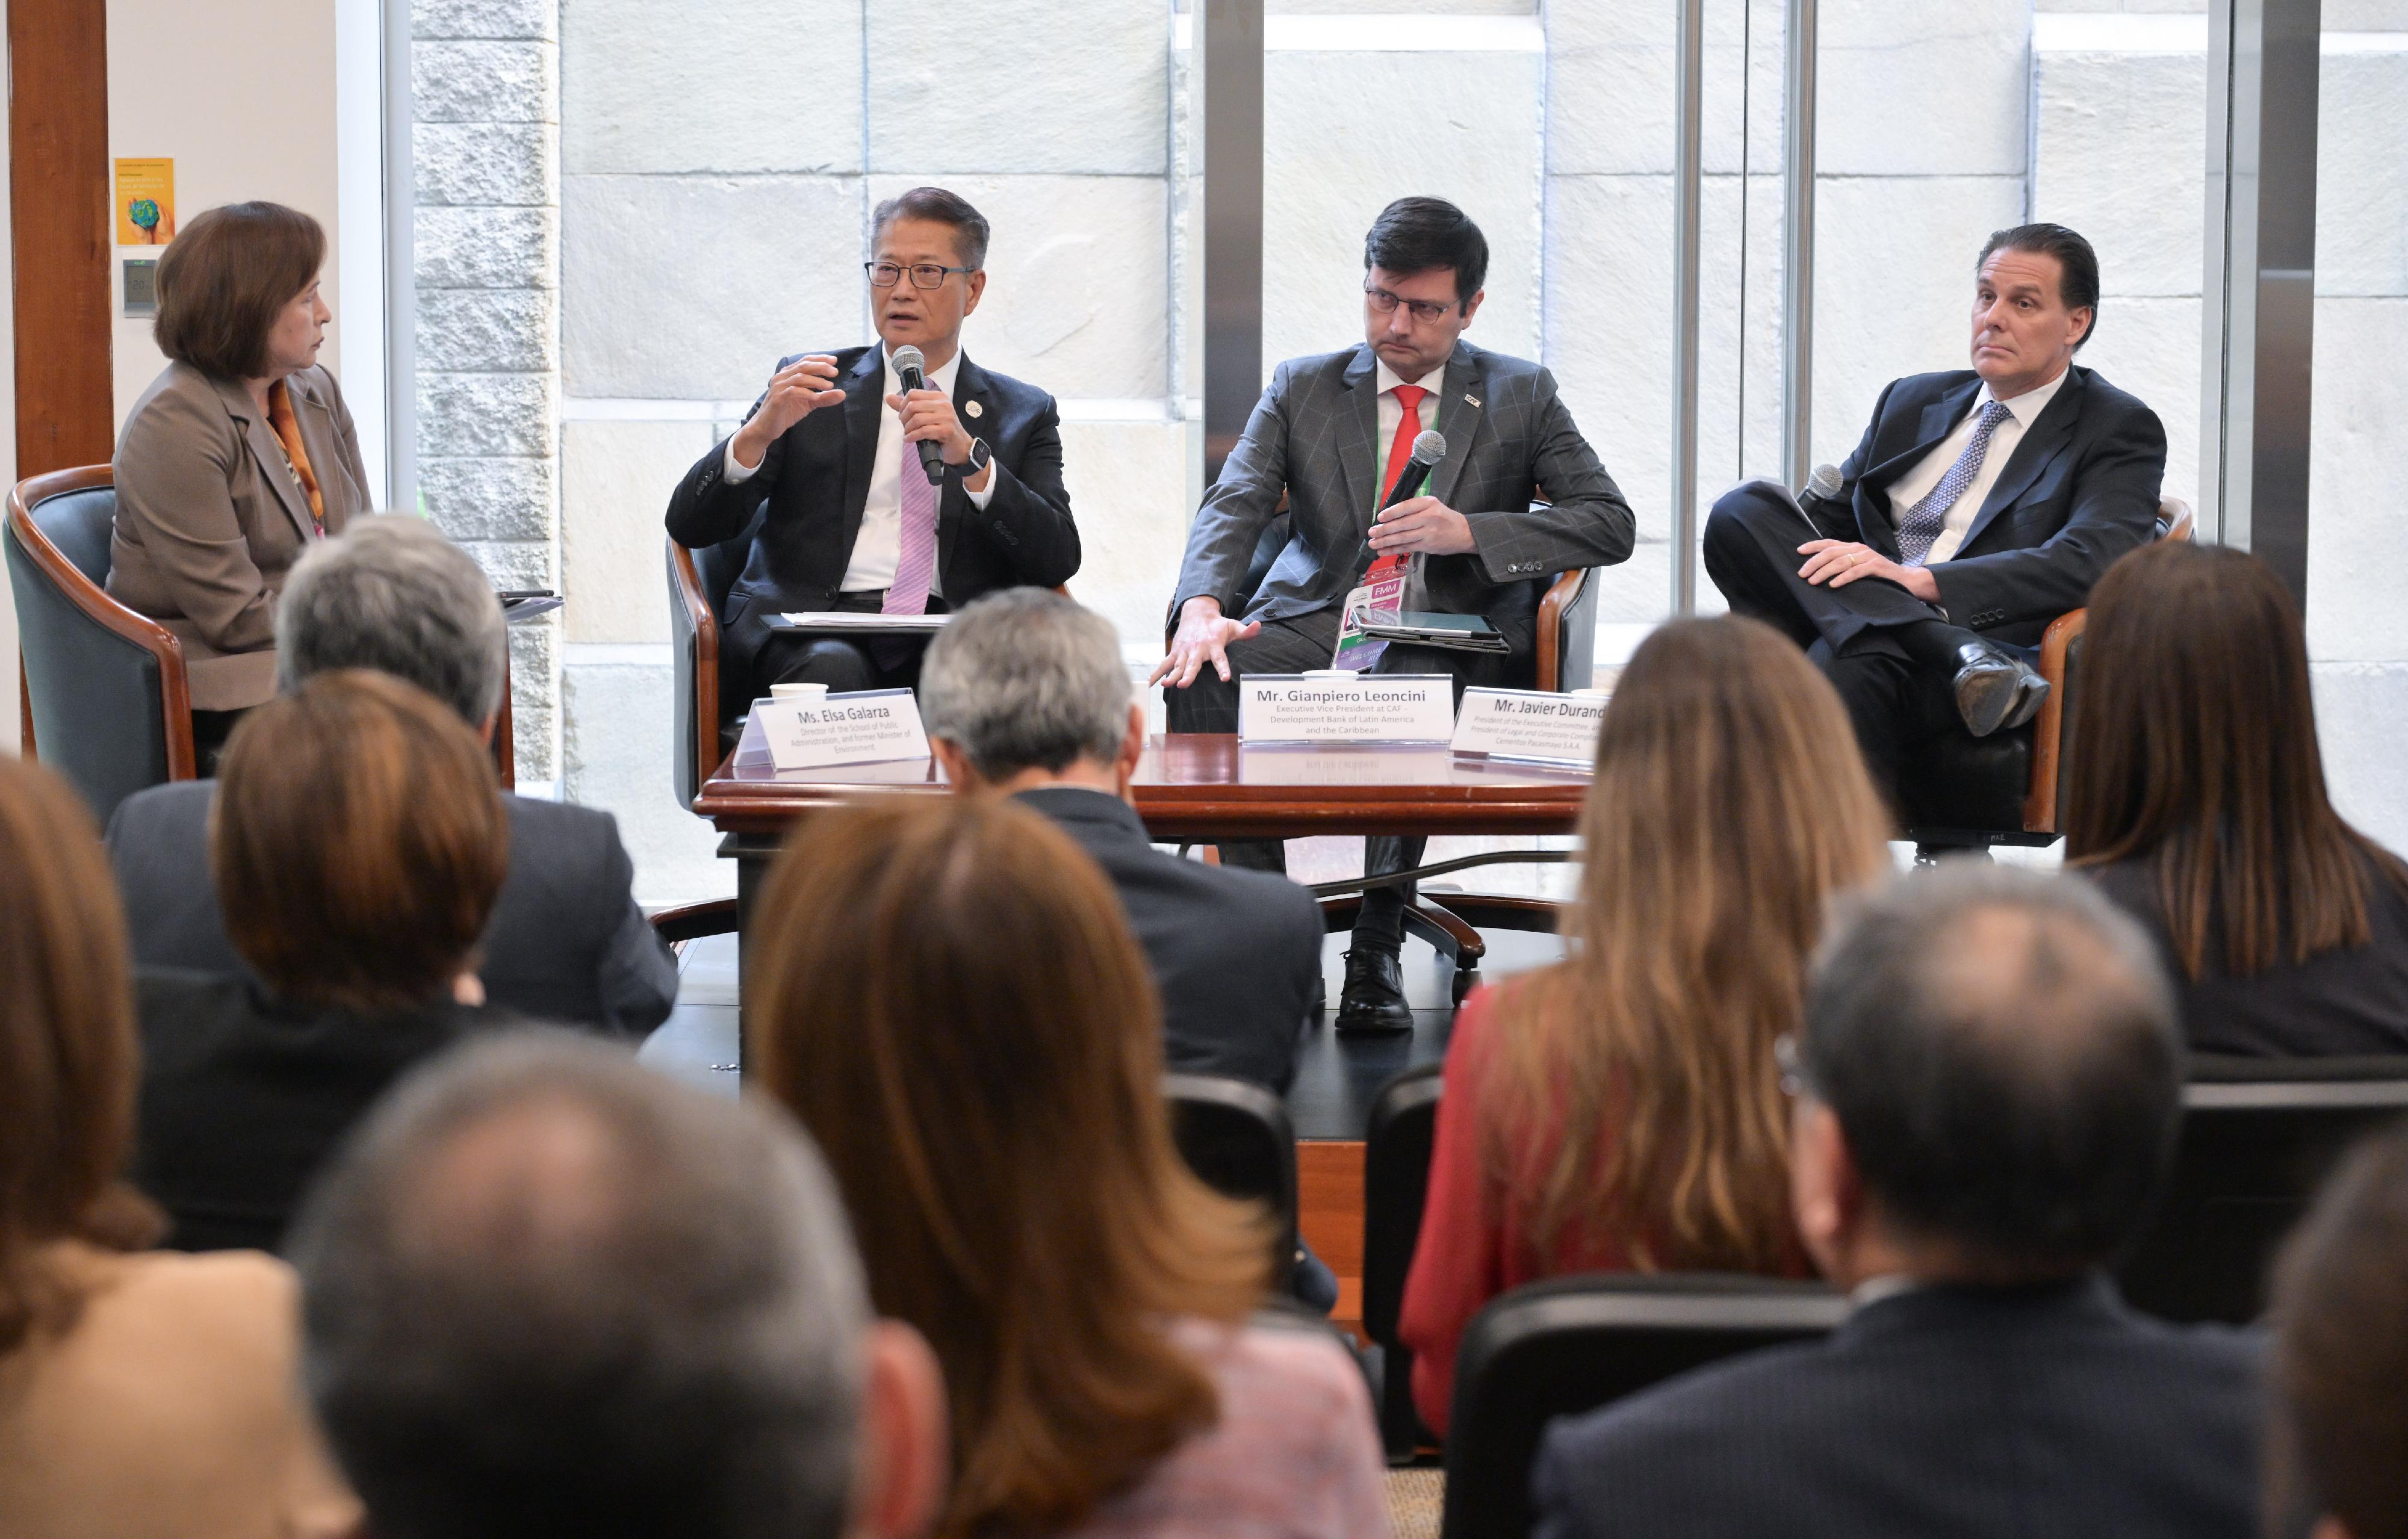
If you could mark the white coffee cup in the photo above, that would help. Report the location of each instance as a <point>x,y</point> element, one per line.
<point>798,691</point>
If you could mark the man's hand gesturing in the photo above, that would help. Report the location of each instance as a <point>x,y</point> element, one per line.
<point>1204,635</point>
<point>797,391</point>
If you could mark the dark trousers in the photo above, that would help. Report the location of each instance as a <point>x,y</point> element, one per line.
<point>845,665</point>
<point>1290,647</point>
<point>1872,639</point>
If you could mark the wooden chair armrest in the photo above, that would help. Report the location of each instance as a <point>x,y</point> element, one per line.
<point>704,620</point>
<point>2048,730</point>
<point>1561,595</point>
<point>694,920</point>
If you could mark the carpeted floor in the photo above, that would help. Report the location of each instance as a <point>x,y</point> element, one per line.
<point>1415,1498</point>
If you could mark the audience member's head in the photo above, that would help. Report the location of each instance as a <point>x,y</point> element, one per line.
<point>548,1291</point>
<point>237,291</point>
<point>2341,1355</point>
<point>68,1053</point>
<point>1730,803</point>
<point>2035,305</point>
<point>1989,1081</point>
<point>358,840</point>
<point>2193,746</point>
<point>1025,688</point>
<point>948,995</point>
<point>392,594</point>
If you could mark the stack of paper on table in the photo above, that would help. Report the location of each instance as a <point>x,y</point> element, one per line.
<point>856,620</point>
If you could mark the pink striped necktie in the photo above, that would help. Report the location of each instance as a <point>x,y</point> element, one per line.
<point>908,594</point>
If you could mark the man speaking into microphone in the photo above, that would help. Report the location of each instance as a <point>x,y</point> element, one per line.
<point>1336,433</point>
<point>900,479</point>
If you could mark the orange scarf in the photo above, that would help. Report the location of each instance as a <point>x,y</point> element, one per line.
<point>287,433</point>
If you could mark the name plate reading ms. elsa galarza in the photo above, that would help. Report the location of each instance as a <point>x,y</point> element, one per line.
<point>808,733</point>
<point>1340,706</point>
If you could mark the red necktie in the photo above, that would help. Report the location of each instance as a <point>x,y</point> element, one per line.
<point>1400,453</point>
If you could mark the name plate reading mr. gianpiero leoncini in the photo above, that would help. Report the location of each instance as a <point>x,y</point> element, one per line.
<point>1531,726</point>
<point>1339,705</point>
<point>817,731</point>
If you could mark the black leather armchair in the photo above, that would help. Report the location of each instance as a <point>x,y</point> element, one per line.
<point>1237,1138</point>
<point>105,702</point>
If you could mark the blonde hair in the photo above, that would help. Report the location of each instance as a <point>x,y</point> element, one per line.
<point>1730,802</point>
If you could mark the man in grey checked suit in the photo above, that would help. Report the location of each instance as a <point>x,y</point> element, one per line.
<point>1321,435</point>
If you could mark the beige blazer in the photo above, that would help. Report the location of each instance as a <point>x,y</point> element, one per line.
<point>170,1409</point>
<point>210,519</point>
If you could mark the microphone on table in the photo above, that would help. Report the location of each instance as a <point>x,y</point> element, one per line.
<point>909,367</point>
<point>1428,450</point>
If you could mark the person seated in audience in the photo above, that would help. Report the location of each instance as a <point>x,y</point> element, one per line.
<point>240,456</point>
<point>1026,693</point>
<point>357,842</point>
<point>2339,1443</point>
<point>1988,1088</point>
<point>1980,506</point>
<point>140,1393</point>
<point>2195,796</point>
<point>947,994</point>
<point>548,1291</point>
<point>567,941</point>
<point>1622,1111</point>
<point>827,474</point>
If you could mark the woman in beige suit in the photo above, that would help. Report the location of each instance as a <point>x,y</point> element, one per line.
<point>238,455</point>
<point>140,1393</point>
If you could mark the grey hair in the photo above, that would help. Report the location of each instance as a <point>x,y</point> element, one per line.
<point>546,1288</point>
<point>1026,679</point>
<point>2001,1049</point>
<point>392,594</point>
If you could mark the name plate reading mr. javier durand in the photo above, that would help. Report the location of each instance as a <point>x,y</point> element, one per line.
<point>1343,707</point>
<point>1531,726</point>
<point>868,727</point>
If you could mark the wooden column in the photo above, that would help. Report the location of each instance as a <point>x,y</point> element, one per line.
<point>59,206</point>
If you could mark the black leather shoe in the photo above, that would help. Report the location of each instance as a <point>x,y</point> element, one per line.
<point>1374,996</point>
<point>1995,689</point>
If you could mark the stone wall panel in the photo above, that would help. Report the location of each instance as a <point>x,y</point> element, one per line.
<point>432,20</point>
<point>2357,544</point>
<point>511,163</point>
<point>486,414</point>
<point>615,754</point>
<point>485,82</point>
<point>2361,189</point>
<point>487,329</point>
<point>716,86</point>
<point>1909,88</point>
<point>1051,87</point>
<point>1128,482</point>
<point>489,499</point>
<point>615,483</point>
<point>486,248</point>
<point>2122,152</point>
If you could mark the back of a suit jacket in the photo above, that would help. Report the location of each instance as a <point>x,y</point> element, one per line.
<point>1236,954</point>
<point>2081,489</point>
<point>2018,1415</point>
<point>565,942</point>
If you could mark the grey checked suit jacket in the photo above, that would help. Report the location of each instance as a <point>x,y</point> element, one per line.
<point>1313,436</point>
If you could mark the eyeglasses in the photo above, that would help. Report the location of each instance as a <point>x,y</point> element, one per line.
<point>926,275</point>
<point>1792,1065</point>
<point>1424,310</point>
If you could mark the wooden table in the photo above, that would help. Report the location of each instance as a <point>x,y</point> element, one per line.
<point>1192,788</point>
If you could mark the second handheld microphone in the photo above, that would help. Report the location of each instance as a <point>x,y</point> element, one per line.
<point>1429,448</point>
<point>911,366</point>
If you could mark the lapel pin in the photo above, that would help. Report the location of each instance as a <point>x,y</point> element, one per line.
<point>973,408</point>
<point>1470,399</point>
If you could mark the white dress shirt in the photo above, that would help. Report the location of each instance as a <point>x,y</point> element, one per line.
<point>1917,484</point>
<point>1392,411</point>
<point>877,548</point>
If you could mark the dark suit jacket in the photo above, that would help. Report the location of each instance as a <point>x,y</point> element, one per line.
<point>565,942</point>
<point>814,482</point>
<point>1236,954</point>
<point>1314,436</point>
<point>2080,490</point>
<point>245,1096</point>
<point>2348,1003</point>
<point>1964,1412</point>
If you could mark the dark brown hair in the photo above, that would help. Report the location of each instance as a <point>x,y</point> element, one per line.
<point>225,278</point>
<point>2193,746</point>
<point>69,1060</point>
<point>2340,1370</point>
<point>944,208</point>
<point>1730,803</point>
<point>359,841</point>
<point>949,997</point>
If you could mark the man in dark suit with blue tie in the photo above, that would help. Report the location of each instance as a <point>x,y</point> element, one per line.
<point>1986,1092</point>
<point>826,474</point>
<point>1980,504</point>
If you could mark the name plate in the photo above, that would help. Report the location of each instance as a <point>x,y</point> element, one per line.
<point>1338,706</point>
<point>872,727</point>
<point>1531,726</point>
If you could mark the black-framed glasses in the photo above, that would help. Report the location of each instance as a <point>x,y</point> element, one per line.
<point>1791,1061</point>
<point>1384,303</point>
<point>925,275</point>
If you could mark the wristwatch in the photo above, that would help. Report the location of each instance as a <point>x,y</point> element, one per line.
<point>980,457</point>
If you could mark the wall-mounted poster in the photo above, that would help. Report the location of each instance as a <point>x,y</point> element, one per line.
<point>145,202</point>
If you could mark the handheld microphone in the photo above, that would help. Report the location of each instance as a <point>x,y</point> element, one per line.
<point>1428,450</point>
<point>1825,483</point>
<point>911,367</point>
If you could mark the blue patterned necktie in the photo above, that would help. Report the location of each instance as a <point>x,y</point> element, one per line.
<point>1921,525</point>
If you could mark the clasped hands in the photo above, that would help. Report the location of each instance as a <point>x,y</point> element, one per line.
<point>1839,563</point>
<point>809,383</point>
